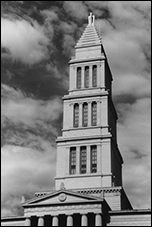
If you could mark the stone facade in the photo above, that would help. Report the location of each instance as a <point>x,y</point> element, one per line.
<point>88,183</point>
<point>130,218</point>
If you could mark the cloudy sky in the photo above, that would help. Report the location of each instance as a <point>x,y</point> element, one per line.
<point>37,42</point>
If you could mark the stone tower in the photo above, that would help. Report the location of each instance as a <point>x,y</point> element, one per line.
<point>88,158</point>
<point>88,184</point>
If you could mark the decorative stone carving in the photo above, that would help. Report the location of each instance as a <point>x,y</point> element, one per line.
<point>62,197</point>
<point>62,186</point>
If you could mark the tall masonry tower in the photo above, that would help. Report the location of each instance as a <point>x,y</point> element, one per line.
<point>88,184</point>
<point>88,158</point>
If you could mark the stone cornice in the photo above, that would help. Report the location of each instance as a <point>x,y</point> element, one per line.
<point>77,203</point>
<point>99,190</point>
<point>85,128</point>
<point>17,218</point>
<point>128,212</point>
<point>98,174</point>
<point>68,97</point>
<point>64,209</point>
<point>65,139</point>
<point>98,58</point>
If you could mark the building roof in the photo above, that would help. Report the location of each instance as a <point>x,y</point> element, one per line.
<point>90,35</point>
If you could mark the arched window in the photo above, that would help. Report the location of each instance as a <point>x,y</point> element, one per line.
<point>94,113</point>
<point>86,77</point>
<point>93,159</point>
<point>94,76</point>
<point>79,77</point>
<point>85,115</point>
<point>72,160</point>
<point>76,115</point>
<point>83,159</point>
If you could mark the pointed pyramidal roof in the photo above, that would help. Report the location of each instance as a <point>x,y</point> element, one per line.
<point>90,35</point>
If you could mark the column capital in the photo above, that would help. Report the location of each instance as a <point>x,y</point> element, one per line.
<point>71,104</point>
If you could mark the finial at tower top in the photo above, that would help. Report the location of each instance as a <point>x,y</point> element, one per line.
<point>91,19</point>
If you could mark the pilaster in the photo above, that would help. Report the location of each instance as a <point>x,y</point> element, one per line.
<point>88,159</point>
<point>82,77</point>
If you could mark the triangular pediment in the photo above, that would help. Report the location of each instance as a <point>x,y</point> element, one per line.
<point>60,197</point>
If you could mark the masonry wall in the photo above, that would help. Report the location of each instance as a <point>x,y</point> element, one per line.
<point>13,222</point>
<point>133,218</point>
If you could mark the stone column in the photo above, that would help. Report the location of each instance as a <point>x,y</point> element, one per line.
<point>82,77</point>
<point>89,114</point>
<point>55,221</point>
<point>41,221</point>
<point>84,220</point>
<point>90,76</point>
<point>98,220</point>
<point>69,220</point>
<point>77,160</point>
<point>98,112</point>
<point>75,78</point>
<point>99,156</point>
<point>88,159</point>
<point>80,114</point>
<point>27,222</point>
<point>99,75</point>
<point>71,123</point>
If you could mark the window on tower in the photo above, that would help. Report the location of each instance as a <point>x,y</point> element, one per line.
<point>94,113</point>
<point>94,76</point>
<point>93,159</point>
<point>76,115</point>
<point>85,115</point>
<point>72,160</point>
<point>86,77</point>
<point>83,159</point>
<point>79,77</point>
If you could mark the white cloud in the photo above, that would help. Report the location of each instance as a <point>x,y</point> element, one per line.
<point>24,171</point>
<point>26,42</point>
<point>76,9</point>
<point>18,108</point>
<point>135,85</point>
<point>134,134</point>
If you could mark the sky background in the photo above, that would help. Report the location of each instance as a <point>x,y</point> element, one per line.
<point>37,42</point>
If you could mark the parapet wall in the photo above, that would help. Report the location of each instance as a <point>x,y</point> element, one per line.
<point>129,218</point>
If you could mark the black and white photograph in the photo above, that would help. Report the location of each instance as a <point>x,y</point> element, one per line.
<point>75,113</point>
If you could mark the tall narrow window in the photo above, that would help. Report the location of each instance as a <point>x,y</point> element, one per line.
<point>76,115</point>
<point>86,77</point>
<point>72,160</point>
<point>94,113</point>
<point>93,159</point>
<point>79,77</point>
<point>94,76</point>
<point>83,159</point>
<point>85,115</point>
